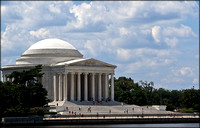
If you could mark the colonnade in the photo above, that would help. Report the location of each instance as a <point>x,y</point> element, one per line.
<point>5,78</point>
<point>83,86</point>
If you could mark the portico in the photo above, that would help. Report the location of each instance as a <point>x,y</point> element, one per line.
<point>84,83</point>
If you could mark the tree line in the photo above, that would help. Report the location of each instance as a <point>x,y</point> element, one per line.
<point>144,93</point>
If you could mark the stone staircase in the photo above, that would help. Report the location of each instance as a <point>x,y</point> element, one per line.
<point>102,108</point>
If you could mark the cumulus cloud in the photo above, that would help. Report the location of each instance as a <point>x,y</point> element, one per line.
<point>90,46</point>
<point>184,71</point>
<point>183,31</point>
<point>41,33</point>
<point>145,53</point>
<point>195,81</point>
<point>171,42</point>
<point>156,33</point>
<point>96,47</point>
<point>119,32</point>
<point>124,54</point>
<point>124,31</point>
<point>171,80</point>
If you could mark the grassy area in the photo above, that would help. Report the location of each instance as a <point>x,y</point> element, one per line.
<point>187,110</point>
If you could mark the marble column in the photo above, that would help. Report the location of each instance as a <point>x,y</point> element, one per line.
<point>79,88</point>
<point>112,87</point>
<point>72,87</point>
<point>106,86</point>
<point>85,87</point>
<point>93,87</point>
<point>65,87</point>
<point>60,87</point>
<point>54,86</point>
<point>99,88</point>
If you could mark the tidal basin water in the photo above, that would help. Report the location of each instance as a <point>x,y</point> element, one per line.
<point>168,125</point>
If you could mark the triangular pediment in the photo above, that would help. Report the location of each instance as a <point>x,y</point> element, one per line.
<point>91,63</point>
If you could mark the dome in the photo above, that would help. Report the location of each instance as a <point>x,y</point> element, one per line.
<point>52,44</point>
<point>49,51</point>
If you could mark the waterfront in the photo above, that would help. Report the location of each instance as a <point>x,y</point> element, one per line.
<point>166,125</point>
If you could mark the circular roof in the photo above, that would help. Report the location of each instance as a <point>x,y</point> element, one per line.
<point>52,44</point>
<point>49,51</point>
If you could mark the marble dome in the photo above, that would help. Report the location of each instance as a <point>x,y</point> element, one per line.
<point>49,51</point>
<point>51,44</point>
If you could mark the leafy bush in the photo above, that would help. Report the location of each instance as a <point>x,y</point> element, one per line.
<point>187,110</point>
<point>38,111</point>
<point>170,107</point>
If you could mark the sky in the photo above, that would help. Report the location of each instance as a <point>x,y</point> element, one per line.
<point>147,40</point>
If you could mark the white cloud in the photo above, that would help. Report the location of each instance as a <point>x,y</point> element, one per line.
<point>171,42</point>
<point>156,33</point>
<point>146,64</point>
<point>171,80</point>
<point>95,47</point>
<point>55,9</point>
<point>123,54</point>
<point>123,31</point>
<point>90,46</point>
<point>195,81</point>
<point>41,33</point>
<point>184,71</point>
<point>183,31</point>
<point>119,32</point>
<point>3,9</point>
<point>146,53</point>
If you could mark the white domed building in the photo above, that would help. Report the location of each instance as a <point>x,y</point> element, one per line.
<point>67,75</point>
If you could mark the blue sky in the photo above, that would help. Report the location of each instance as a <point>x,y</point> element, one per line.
<point>148,40</point>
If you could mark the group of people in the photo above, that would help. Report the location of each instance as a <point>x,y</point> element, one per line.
<point>72,112</point>
<point>126,111</point>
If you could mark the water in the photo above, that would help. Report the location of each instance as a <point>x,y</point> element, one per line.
<point>168,125</point>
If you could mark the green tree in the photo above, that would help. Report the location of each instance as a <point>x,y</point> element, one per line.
<point>23,93</point>
<point>176,98</point>
<point>191,98</point>
<point>148,88</point>
<point>129,92</point>
<point>28,77</point>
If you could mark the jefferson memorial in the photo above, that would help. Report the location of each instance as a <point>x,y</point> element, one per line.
<point>67,75</point>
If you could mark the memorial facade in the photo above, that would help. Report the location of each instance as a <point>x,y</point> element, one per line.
<point>67,75</point>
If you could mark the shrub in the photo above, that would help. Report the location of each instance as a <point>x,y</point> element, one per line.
<point>170,107</point>
<point>187,110</point>
<point>38,111</point>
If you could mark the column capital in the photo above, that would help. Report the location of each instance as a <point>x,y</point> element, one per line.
<point>60,73</point>
<point>106,73</point>
<point>92,73</point>
<point>85,73</point>
<point>72,72</point>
